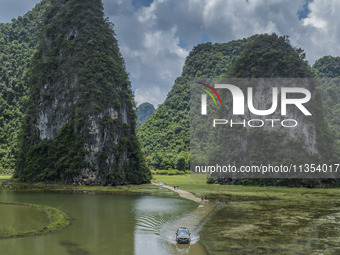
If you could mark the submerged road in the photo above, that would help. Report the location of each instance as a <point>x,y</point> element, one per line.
<point>193,220</point>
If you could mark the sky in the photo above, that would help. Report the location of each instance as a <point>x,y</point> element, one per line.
<point>155,36</point>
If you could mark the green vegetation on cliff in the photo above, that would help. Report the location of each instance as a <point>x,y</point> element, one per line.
<point>329,68</point>
<point>80,121</point>
<point>165,136</point>
<point>144,112</point>
<point>17,46</point>
<point>270,56</point>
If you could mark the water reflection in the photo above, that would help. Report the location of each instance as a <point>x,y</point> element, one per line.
<point>104,224</point>
<point>74,248</point>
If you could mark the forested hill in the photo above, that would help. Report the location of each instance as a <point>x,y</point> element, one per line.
<point>80,121</point>
<point>144,112</point>
<point>329,67</point>
<point>270,56</point>
<point>18,41</point>
<point>165,136</point>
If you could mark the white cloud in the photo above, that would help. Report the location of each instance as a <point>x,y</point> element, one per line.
<point>322,29</point>
<point>152,54</point>
<point>151,95</point>
<point>156,39</point>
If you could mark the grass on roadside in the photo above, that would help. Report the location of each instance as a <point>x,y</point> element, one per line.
<point>198,186</point>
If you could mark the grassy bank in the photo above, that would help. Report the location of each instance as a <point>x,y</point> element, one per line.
<point>145,189</point>
<point>195,185</point>
<point>56,218</point>
<point>198,186</point>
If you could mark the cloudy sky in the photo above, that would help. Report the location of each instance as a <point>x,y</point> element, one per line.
<point>155,36</point>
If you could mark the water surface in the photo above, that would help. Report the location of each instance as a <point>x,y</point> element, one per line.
<point>104,224</point>
<point>19,218</point>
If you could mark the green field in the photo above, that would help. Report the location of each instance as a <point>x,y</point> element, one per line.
<point>5,177</point>
<point>198,186</point>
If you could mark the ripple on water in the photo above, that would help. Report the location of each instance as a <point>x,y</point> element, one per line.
<point>163,218</point>
<point>192,221</point>
<point>152,213</point>
<point>150,223</point>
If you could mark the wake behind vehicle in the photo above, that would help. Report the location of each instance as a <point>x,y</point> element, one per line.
<point>183,235</point>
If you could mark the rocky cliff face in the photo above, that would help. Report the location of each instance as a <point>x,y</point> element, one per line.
<point>270,56</point>
<point>80,123</point>
<point>251,138</point>
<point>304,126</point>
<point>267,58</point>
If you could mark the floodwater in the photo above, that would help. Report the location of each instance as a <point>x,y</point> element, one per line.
<point>136,224</point>
<point>103,224</point>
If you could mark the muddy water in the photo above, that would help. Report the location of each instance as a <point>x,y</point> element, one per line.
<point>105,224</point>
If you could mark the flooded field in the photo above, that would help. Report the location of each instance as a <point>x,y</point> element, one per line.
<point>246,220</point>
<point>102,224</point>
<point>308,226</point>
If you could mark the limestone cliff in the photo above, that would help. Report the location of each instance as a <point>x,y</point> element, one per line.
<point>270,56</point>
<point>80,122</point>
<point>267,58</point>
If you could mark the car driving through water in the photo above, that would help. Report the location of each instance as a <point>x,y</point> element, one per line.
<point>183,235</point>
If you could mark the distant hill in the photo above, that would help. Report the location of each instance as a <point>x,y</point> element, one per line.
<point>328,67</point>
<point>18,41</point>
<point>165,136</point>
<point>144,112</point>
